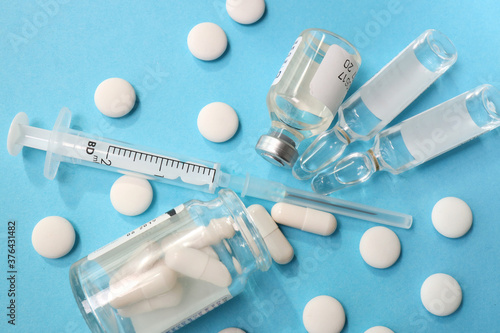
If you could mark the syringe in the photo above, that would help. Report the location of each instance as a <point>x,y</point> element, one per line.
<point>63,144</point>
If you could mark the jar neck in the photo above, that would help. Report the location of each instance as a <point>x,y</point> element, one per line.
<point>249,233</point>
<point>251,249</point>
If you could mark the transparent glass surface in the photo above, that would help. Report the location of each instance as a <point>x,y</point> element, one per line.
<point>356,118</point>
<point>418,139</point>
<point>484,106</point>
<point>391,151</point>
<point>438,130</point>
<point>352,169</point>
<point>435,51</point>
<point>383,97</point>
<point>327,148</point>
<point>122,287</point>
<point>290,103</point>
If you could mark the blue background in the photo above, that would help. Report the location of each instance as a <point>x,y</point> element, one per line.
<point>54,54</point>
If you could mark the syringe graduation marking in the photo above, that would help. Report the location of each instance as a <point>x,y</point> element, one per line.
<point>161,160</point>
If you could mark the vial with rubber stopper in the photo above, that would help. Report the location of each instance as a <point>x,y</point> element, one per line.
<point>306,93</point>
<point>380,100</point>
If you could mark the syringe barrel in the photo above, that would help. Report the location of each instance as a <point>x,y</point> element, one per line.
<point>149,163</point>
<point>68,145</point>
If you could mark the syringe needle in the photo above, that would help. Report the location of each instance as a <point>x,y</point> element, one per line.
<point>66,145</point>
<point>277,192</point>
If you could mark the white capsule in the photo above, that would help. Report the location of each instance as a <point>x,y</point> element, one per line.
<point>217,230</point>
<point>223,226</point>
<point>210,251</point>
<point>137,287</point>
<point>167,300</point>
<point>144,258</point>
<point>200,237</point>
<point>198,265</point>
<point>280,249</point>
<point>306,219</point>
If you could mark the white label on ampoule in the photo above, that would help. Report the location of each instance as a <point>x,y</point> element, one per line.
<point>433,133</point>
<point>333,77</point>
<point>397,85</point>
<point>287,61</point>
<point>146,226</point>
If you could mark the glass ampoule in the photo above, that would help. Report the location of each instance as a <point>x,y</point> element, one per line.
<point>380,100</point>
<point>306,94</point>
<point>417,139</point>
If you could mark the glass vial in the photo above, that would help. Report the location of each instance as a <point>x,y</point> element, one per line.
<point>418,139</point>
<point>171,270</point>
<point>307,92</point>
<point>380,100</point>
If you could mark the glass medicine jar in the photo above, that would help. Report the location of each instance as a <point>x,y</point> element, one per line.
<point>171,270</point>
<point>307,92</point>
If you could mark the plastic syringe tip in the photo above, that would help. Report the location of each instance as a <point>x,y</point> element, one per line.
<point>21,134</point>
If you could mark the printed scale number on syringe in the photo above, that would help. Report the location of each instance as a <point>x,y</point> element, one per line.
<point>132,160</point>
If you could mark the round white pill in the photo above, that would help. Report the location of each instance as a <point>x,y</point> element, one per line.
<point>53,237</point>
<point>323,314</point>
<point>441,294</point>
<point>217,122</point>
<point>207,41</point>
<point>114,97</point>
<point>380,247</point>
<point>452,217</point>
<point>379,329</point>
<point>232,330</point>
<point>245,11</point>
<point>131,195</point>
